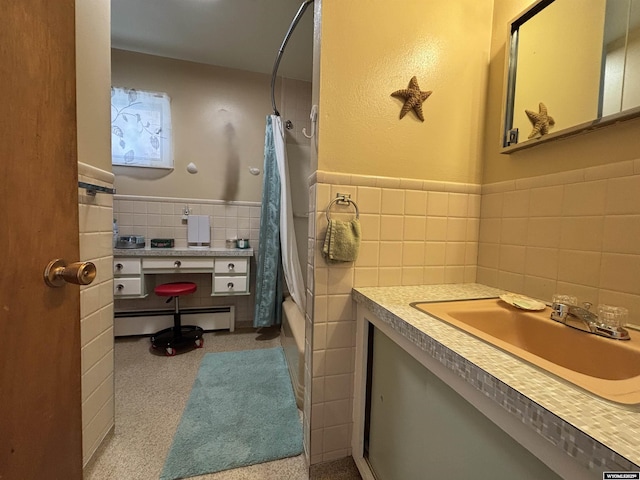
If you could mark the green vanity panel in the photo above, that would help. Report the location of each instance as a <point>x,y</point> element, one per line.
<point>422,429</point>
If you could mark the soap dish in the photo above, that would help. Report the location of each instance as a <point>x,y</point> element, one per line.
<point>162,243</point>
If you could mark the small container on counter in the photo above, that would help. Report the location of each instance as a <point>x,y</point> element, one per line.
<point>231,243</point>
<point>162,243</point>
<point>243,243</point>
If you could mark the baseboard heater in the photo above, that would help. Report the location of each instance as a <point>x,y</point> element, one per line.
<point>147,322</point>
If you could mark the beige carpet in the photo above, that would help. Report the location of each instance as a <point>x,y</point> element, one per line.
<point>151,392</point>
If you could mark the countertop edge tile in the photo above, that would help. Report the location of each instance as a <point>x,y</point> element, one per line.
<point>182,252</point>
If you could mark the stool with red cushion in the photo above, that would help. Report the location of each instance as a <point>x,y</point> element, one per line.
<point>179,335</point>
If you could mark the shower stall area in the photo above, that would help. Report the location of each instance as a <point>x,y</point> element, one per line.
<point>288,143</point>
<point>295,112</point>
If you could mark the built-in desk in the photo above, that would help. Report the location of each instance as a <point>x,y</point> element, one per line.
<point>134,273</point>
<point>230,268</point>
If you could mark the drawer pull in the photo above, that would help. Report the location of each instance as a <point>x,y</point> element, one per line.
<point>177,263</point>
<point>230,285</point>
<point>231,266</point>
<point>119,287</point>
<point>119,266</point>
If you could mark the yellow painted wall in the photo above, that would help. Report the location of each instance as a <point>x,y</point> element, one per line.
<point>607,145</point>
<point>372,48</point>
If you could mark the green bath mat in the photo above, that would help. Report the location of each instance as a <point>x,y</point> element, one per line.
<point>241,411</point>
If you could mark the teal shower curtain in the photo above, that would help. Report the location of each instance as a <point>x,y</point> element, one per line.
<point>268,310</point>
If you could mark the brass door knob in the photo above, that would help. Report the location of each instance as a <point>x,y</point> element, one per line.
<point>78,273</point>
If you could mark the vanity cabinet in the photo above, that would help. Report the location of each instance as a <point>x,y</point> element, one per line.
<point>176,264</point>
<point>416,416</point>
<point>127,277</point>
<point>421,428</point>
<point>230,276</point>
<point>137,272</point>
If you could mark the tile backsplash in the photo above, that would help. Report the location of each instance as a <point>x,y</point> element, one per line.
<point>159,217</point>
<point>575,232</point>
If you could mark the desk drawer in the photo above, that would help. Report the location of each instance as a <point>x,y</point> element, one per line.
<point>126,266</point>
<point>222,285</point>
<point>231,265</point>
<point>127,286</point>
<point>176,263</point>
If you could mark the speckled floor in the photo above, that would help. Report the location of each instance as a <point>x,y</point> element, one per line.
<point>151,392</point>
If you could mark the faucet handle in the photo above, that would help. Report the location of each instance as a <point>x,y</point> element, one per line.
<point>560,306</point>
<point>612,315</point>
<point>559,311</point>
<point>587,305</point>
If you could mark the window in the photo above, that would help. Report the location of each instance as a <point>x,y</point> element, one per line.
<point>140,128</point>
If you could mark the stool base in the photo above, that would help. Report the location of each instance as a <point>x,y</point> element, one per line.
<point>171,341</point>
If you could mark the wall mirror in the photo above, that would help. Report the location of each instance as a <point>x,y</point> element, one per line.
<point>573,66</point>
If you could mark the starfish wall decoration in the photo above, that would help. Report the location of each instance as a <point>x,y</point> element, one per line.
<point>413,98</point>
<point>541,121</point>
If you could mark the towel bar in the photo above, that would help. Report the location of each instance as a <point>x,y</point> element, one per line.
<point>343,198</point>
<point>92,189</point>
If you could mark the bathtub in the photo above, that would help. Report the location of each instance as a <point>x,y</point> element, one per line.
<point>292,338</point>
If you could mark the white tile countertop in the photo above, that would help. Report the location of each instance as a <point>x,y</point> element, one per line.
<point>182,252</point>
<point>599,434</point>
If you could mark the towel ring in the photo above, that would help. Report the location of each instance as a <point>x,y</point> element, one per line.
<point>341,198</point>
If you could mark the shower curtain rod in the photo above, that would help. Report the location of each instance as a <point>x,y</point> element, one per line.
<point>292,27</point>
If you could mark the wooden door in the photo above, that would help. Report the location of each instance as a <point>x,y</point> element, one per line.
<point>40,398</point>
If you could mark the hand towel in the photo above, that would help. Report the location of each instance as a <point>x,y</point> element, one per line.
<point>342,241</point>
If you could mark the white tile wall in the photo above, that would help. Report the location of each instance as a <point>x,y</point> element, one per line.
<point>158,217</point>
<point>413,232</point>
<point>96,312</point>
<point>574,232</point>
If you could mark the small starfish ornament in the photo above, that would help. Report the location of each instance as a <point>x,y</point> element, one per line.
<point>413,98</point>
<point>541,121</point>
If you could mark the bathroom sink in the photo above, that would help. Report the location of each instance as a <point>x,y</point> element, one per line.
<point>605,367</point>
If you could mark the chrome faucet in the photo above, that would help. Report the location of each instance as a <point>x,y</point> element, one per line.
<point>583,319</point>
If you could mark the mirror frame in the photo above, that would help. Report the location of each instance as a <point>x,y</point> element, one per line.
<point>511,64</point>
